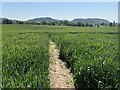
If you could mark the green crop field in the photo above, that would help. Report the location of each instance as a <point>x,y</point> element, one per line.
<point>91,53</point>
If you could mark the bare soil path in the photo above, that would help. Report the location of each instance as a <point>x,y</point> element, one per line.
<point>60,76</point>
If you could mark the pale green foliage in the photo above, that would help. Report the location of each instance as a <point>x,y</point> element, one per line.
<point>25,60</point>
<point>92,58</point>
<point>90,53</point>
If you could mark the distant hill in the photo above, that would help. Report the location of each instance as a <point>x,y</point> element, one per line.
<point>88,20</point>
<point>91,21</point>
<point>52,20</point>
<point>46,19</point>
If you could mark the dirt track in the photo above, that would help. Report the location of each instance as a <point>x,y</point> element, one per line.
<point>60,76</point>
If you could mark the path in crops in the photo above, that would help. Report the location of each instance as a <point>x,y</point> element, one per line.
<point>60,76</point>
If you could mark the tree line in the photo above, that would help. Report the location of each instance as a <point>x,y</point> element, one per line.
<point>57,23</point>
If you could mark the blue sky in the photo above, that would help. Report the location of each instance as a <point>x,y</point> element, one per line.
<point>60,10</point>
<point>60,0</point>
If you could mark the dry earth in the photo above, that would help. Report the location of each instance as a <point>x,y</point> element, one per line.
<point>60,76</point>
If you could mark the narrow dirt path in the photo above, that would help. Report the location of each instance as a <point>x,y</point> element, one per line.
<point>60,76</point>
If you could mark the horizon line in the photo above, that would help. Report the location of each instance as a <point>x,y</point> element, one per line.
<point>60,18</point>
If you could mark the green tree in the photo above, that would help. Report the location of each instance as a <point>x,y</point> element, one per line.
<point>111,24</point>
<point>44,23</point>
<point>83,24</point>
<point>79,24</point>
<point>87,24</point>
<point>91,25</point>
<point>114,24</point>
<point>102,24</point>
